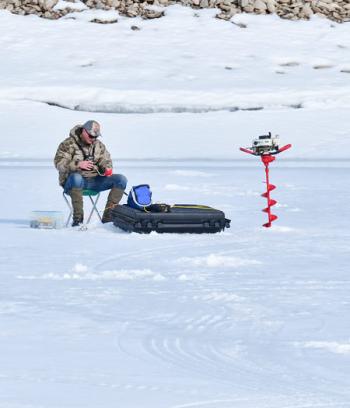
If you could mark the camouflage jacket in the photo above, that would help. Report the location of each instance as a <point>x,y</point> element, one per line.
<point>70,153</point>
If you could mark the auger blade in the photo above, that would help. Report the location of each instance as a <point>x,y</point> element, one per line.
<point>273,217</point>
<point>270,204</point>
<point>270,187</point>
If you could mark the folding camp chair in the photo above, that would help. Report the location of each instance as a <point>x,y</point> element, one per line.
<point>86,193</point>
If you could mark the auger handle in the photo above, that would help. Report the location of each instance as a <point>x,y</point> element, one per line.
<point>249,151</point>
<point>245,150</point>
<point>286,147</point>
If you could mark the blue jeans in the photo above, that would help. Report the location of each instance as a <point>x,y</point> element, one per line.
<point>98,183</point>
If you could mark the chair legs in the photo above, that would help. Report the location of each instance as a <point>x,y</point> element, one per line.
<point>93,208</point>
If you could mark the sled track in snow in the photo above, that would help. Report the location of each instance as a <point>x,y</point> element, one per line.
<point>208,359</point>
<point>195,345</point>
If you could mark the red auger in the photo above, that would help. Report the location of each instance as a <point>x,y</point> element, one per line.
<point>266,148</point>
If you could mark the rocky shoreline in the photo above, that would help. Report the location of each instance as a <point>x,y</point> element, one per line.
<point>338,11</point>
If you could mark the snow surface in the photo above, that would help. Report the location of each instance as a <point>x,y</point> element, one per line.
<point>249,318</point>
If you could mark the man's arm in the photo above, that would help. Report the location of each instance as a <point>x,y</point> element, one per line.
<point>64,158</point>
<point>104,161</point>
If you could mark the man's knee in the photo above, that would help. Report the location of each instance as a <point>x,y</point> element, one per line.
<point>75,180</point>
<point>119,181</point>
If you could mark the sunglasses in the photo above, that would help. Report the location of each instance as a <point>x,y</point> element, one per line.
<point>90,136</point>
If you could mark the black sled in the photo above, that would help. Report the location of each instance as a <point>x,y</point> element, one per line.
<point>180,218</point>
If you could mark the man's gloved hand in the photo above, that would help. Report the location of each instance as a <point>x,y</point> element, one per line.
<point>86,165</point>
<point>108,172</point>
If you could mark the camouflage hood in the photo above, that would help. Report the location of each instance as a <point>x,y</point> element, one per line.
<point>75,133</point>
<point>73,150</point>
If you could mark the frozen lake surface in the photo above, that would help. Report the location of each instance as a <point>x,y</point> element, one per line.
<point>247,318</point>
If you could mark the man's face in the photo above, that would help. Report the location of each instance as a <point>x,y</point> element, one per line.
<point>87,138</point>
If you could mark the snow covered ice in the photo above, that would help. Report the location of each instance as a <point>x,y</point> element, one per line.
<point>249,318</point>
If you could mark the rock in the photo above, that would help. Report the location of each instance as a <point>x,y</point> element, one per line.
<point>223,16</point>
<point>249,8</point>
<point>260,6</point>
<point>271,6</point>
<point>240,25</point>
<point>149,14</point>
<point>224,7</point>
<point>132,11</point>
<point>99,21</point>
<point>306,11</point>
<point>113,3</point>
<point>327,6</point>
<point>49,4</point>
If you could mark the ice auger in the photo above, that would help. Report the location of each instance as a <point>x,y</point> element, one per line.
<point>266,146</point>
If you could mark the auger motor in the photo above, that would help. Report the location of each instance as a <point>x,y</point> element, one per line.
<point>266,144</point>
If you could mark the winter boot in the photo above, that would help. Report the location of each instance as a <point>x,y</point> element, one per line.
<point>115,195</point>
<point>76,195</point>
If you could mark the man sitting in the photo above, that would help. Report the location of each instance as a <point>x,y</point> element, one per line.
<point>83,162</point>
